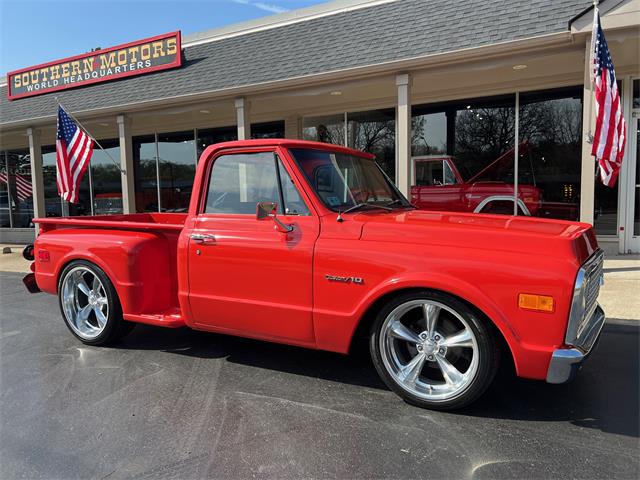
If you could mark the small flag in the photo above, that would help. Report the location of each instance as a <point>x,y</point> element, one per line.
<point>74,148</point>
<point>23,185</point>
<point>609,138</point>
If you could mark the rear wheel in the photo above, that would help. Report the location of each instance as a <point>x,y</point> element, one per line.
<point>433,350</point>
<point>90,305</point>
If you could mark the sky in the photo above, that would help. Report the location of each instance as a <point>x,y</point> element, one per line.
<point>38,31</point>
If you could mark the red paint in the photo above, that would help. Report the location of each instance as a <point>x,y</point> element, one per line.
<point>468,195</point>
<point>255,281</point>
<point>176,63</point>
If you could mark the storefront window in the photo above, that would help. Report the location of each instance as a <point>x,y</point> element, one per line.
<point>551,145</point>
<point>326,129</point>
<point>52,201</point>
<point>268,130</point>
<point>16,197</point>
<point>177,161</point>
<point>428,132</point>
<point>105,178</point>
<point>375,132</point>
<point>636,93</point>
<point>146,173</point>
<point>5,211</point>
<point>210,136</point>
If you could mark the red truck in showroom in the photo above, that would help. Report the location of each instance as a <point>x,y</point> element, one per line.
<point>312,245</point>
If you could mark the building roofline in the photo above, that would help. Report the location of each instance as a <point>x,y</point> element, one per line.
<point>437,59</point>
<point>278,20</point>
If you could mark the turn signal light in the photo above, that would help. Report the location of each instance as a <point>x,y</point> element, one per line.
<point>540,303</point>
<point>43,256</point>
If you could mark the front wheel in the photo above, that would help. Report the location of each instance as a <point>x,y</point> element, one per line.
<point>433,350</point>
<point>90,305</point>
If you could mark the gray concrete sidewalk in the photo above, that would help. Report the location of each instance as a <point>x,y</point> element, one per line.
<point>620,296</point>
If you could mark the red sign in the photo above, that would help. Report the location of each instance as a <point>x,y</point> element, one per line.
<point>135,58</point>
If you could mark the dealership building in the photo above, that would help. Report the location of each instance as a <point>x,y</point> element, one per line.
<point>415,82</point>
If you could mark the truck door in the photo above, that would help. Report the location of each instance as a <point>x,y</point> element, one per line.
<point>245,275</point>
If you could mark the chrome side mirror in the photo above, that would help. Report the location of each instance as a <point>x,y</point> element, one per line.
<point>266,210</point>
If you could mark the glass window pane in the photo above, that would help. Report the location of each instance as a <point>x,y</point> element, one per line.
<point>5,212</point>
<point>177,170</point>
<point>210,136</point>
<point>375,132</point>
<point>293,203</point>
<point>268,130</point>
<point>18,209</point>
<point>636,93</point>
<point>428,133</point>
<point>52,201</point>
<point>239,182</point>
<point>636,215</point>
<point>326,129</point>
<point>146,180</point>
<point>550,152</point>
<point>105,177</point>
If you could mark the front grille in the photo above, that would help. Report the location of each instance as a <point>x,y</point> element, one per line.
<point>592,282</point>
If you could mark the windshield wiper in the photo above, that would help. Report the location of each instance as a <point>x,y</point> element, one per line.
<point>358,206</point>
<point>401,201</point>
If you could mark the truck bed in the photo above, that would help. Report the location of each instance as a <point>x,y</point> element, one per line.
<point>132,221</point>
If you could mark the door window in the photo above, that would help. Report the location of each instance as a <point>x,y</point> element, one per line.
<point>431,173</point>
<point>240,181</point>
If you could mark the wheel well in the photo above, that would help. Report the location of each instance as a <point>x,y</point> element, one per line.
<point>364,326</point>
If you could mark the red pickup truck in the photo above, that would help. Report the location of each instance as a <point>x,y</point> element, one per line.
<point>439,185</point>
<point>312,245</point>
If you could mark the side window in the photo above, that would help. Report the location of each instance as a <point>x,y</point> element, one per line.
<point>293,203</point>
<point>449,177</point>
<point>238,182</point>
<point>429,173</point>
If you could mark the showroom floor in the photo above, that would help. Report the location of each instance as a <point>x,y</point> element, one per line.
<point>184,404</point>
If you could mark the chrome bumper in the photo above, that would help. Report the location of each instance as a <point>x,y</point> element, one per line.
<point>565,362</point>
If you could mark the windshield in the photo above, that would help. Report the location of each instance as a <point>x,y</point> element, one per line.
<point>343,181</point>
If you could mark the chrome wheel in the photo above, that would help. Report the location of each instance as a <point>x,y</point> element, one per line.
<point>429,350</point>
<point>84,302</point>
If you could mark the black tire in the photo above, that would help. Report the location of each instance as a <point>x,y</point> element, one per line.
<point>487,349</point>
<point>115,327</point>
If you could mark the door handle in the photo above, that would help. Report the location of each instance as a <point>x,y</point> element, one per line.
<point>203,239</point>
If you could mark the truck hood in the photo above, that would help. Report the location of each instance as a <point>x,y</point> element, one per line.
<point>525,235</point>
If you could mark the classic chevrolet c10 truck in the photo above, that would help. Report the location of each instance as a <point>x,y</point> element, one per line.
<point>312,245</point>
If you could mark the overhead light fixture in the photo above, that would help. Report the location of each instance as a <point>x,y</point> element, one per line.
<point>336,93</point>
<point>205,111</point>
<point>103,124</point>
<point>520,66</point>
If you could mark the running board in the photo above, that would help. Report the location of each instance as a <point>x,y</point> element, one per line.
<point>169,319</point>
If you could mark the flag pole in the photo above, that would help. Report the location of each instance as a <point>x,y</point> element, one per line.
<point>87,132</point>
<point>590,72</point>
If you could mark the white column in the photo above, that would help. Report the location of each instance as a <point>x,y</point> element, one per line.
<point>293,127</point>
<point>126,164</point>
<point>37,180</point>
<point>403,134</point>
<point>587,178</point>
<point>242,113</point>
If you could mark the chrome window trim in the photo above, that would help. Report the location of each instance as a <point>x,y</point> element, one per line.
<point>578,316</point>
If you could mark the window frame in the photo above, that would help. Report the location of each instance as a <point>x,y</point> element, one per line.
<point>277,157</point>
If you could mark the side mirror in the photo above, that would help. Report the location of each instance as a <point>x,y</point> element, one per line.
<point>266,210</point>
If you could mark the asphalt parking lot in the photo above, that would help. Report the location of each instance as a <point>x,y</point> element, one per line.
<point>184,404</point>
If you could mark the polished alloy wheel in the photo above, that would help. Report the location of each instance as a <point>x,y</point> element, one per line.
<point>84,302</point>
<point>429,349</point>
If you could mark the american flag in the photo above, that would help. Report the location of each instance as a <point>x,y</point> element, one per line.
<point>610,136</point>
<point>73,153</point>
<point>23,185</point>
